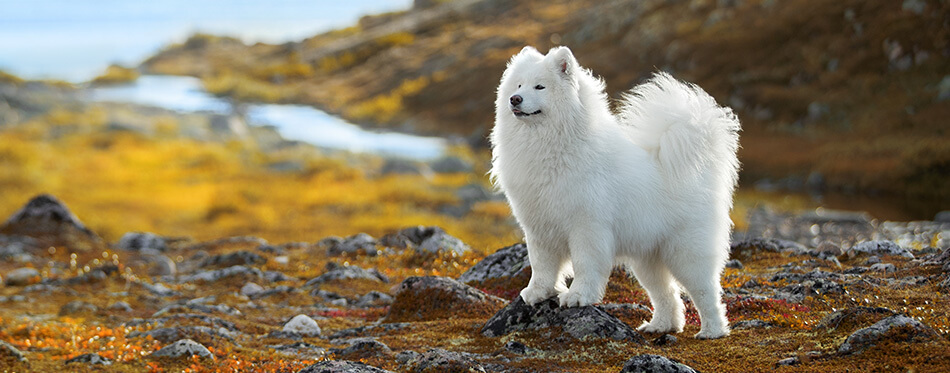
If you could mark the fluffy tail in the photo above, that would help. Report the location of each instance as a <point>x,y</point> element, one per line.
<point>691,136</point>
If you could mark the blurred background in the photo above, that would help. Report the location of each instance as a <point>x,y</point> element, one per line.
<point>293,120</point>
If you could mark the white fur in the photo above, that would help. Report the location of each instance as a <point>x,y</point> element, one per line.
<point>649,189</point>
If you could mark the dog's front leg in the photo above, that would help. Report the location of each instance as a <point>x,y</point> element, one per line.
<point>592,255</point>
<point>548,258</point>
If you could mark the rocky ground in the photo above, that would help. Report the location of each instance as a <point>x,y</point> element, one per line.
<point>821,291</point>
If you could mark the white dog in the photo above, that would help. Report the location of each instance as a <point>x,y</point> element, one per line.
<point>649,189</point>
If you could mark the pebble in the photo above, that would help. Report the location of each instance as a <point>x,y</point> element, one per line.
<point>303,325</point>
<point>183,347</point>
<point>22,276</point>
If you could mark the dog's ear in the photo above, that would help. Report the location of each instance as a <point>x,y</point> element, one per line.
<point>563,61</point>
<point>528,49</point>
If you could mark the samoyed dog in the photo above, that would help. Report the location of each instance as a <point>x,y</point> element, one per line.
<point>649,188</point>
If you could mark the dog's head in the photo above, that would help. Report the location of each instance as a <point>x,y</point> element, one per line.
<point>536,85</point>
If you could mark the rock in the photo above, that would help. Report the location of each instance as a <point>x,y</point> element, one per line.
<point>516,347</point>
<point>303,325</point>
<point>219,308</point>
<point>158,289</point>
<point>374,299</point>
<point>578,322</point>
<point>789,361</point>
<point>745,249</point>
<point>425,240</point>
<point>896,328</point>
<point>507,262</point>
<point>439,360</point>
<point>334,366</point>
<point>152,261</point>
<point>90,359</point>
<point>361,330</point>
<point>355,244</point>
<point>204,333</point>
<point>220,274</point>
<point>77,307</point>
<point>251,289</point>
<point>183,347</point>
<point>654,364</point>
<point>880,247</point>
<point>884,267</point>
<point>406,357</point>
<point>450,164</point>
<point>665,340</point>
<point>48,220</point>
<point>134,241</point>
<point>245,258</point>
<point>22,276</point>
<point>363,348</point>
<point>734,264</point>
<point>301,349</point>
<point>751,324</point>
<point>336,272</point>
<point>944,216</point>
<point>120,306</point>
<point>8,351</point>
<point>433,298</point>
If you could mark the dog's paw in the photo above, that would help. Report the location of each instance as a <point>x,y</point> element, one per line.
<point>659,326</point>
<point>712,334</point>
<point>573,298</point>
<point>535,295</point>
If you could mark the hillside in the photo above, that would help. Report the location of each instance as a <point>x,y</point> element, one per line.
<point>851,93</point>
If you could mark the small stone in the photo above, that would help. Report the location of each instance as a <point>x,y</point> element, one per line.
<point>751,324</point>
<point>120,306</point>
<point>220,274</point>
<point>884,267</point>
<point>648,363</point>
<point>22,276</point>
<point>341,366</point>
<point>425,240</point>
<point>134,241</point>
<point>8,351</point>
<point>358,243</point>
<point>336,272</point>
<point>374,299</point>
<point>183,347</point>
<point>303,325</point>
<point>787,362</point>
<point>874,259</point>
<point>77,307</point>
<point>251,289</point>
<point>665,340</point>
<point>232,259</point>
<point>516,347</point>
<point>90,359</point>
<point>734,264</point>
<point>406,357</point>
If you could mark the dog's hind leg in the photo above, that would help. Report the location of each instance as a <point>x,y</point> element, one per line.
<point>700,275</point>
<point>668,309</point>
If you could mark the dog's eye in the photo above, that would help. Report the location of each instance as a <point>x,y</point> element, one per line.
<point>519,85</point>
<point>539,87</point>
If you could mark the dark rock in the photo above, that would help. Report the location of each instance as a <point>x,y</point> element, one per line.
<point>184,347</point>
<point>578,322</point>
<point>301,349</point>
<point>303,325</point>
<point>734,264</point>
<point>336,272</point>
<point>880,247</point>
<point>363,348</point>
<point>433,298</point>
<point>90,359</point>
<point>848,319</point>
<point>358,243</point>
<point>406,357</point>
<point>220,274</point>
<point>516,347</point>
<point>22,276</point>
<point>361,330</point>
<point>897,328</point>
<point>504,263</point>
<point>166,335</point>
<point>747,248</point>
<point>48,220</point>
<point>77,307</point>
<point>665,340</point>
<point>789,361</point>
<point>944,216</point>
<point>374,299</point>
<point>425,240</point>
<point>8,351</point>
<point>334,366</point>
<point>648,363</point>
<point>276,276</point>
<point>884,267</point>
<point>237,258</point>
<point>134,241</point>
<point>751,324</point>
<point>439,360</point>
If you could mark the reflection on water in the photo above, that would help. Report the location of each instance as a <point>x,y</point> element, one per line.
<point>293,122</point>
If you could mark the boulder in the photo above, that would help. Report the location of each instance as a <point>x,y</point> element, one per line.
<point>183,348</point>
<point>648,363</point>
<point>51,223</point>
<point>508,262</point>
<point>896,328</point>
<point>434,297</point>
<point>577,322</point>
<point>303,325</point>
<point>334,366</point>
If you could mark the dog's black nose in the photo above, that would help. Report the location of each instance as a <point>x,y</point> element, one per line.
<point>516,100</point>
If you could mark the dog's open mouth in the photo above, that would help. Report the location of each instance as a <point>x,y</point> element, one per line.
<point>519,113</point>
